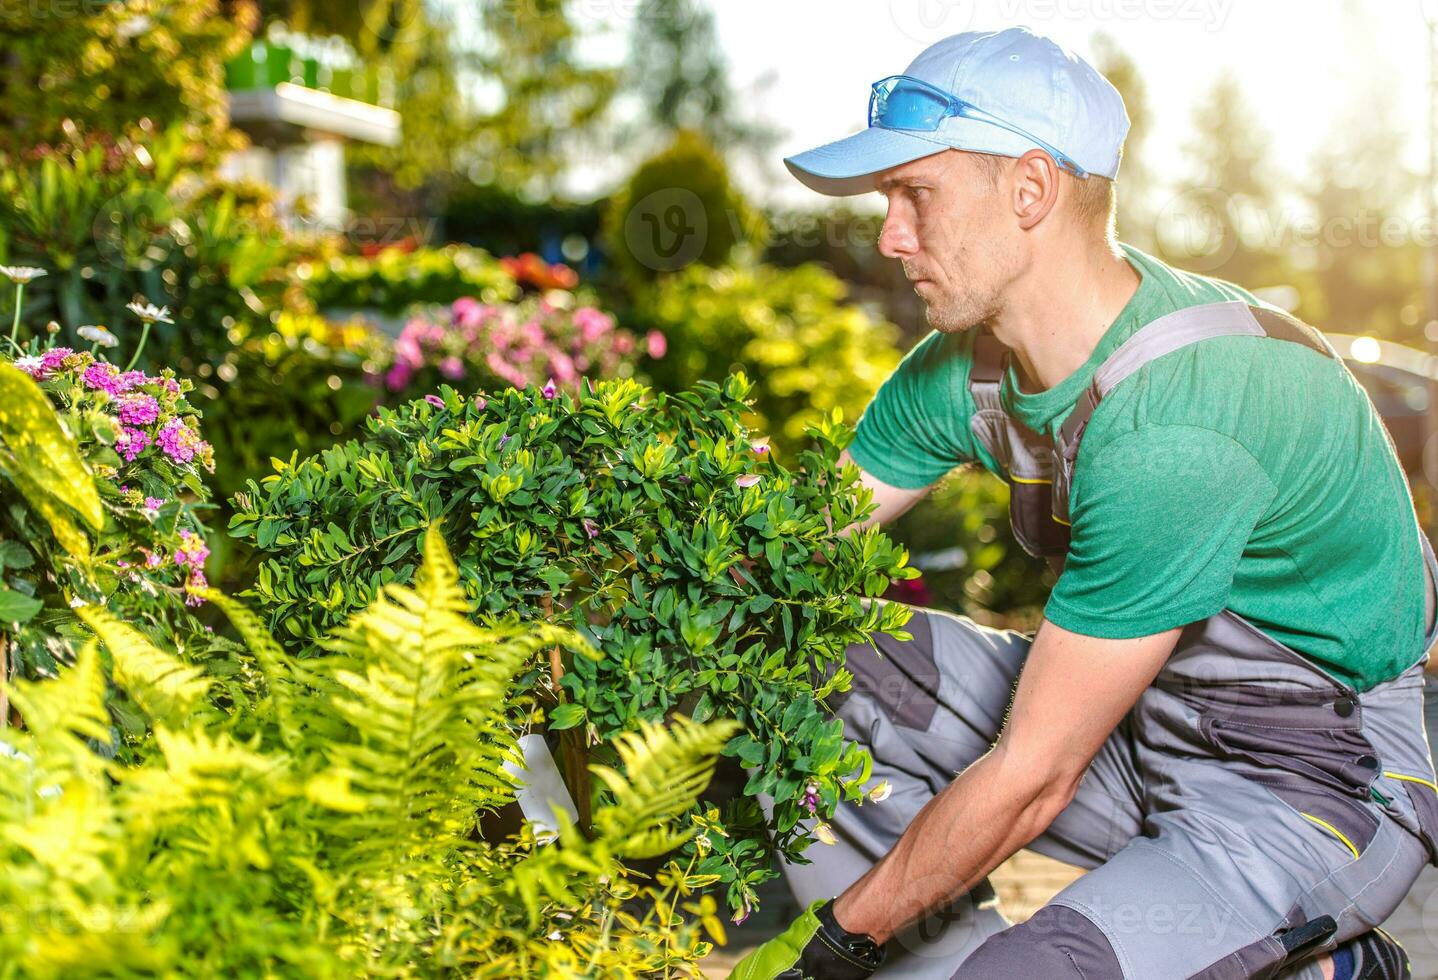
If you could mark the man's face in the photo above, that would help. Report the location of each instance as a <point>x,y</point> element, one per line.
<point>955,235</point>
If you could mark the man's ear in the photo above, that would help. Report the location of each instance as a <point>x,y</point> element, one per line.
<point>1035,187</point>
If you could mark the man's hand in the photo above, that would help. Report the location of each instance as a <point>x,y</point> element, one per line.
<point>813,948</point>
<point>1072,693</point>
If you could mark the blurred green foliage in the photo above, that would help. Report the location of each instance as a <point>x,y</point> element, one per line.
<point>792,329</point>
<point>116,68</point>
<point>394,279</point>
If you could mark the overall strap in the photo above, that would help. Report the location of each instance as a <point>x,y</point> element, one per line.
<point>1175,331</point>
<point>987,371</point>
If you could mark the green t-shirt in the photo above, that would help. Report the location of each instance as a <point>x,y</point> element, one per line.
<point>1238,472</point>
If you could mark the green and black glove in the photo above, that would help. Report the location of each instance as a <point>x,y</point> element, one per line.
<point>815,947</point>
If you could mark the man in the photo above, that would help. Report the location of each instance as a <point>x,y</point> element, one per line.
<point>1220,714</point>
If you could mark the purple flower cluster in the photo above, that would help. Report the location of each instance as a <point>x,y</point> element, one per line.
<point>131,443</point>
<point>138,408</point>
<point>192,553</point>
<point>43,365</point>
<point>180,442</point>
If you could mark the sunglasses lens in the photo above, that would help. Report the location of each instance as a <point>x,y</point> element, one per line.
<point>901,104</point>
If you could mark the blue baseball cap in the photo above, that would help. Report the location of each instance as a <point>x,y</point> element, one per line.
<point>1024,79</point>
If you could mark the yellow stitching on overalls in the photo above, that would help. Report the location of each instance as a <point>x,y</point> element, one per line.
<point>1028,479</point>
<point>1332,830</point>
<point>1061,520</point>
<point>1413,779</point>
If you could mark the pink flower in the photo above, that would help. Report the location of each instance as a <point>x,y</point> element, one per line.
<point>549,391</point>
<point>563,367</point>
<point>133,379</point>
<point>152,558</point>
<point>452,368</point>
<point>480,402</point>
<point>398,376</point>
<point>761,450</point>
<point>747,480</point>
<point>655,344</point>
<point>131,443</point>
<point>592,323</point>
<point>180,442</point>
<point>55,358</point>
<point>138,409</point>
<point>435,400</point>
<point>154,503</point>
<point>102,377</point>
<point>590,528</point>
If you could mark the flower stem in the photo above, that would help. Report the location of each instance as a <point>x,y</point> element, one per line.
<point>144,334</point>
<point>15,326</point>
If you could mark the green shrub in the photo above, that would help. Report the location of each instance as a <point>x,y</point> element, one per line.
<point>791,330</point>
<point>332,828</point>
<point>706,573</point>
<point>679,208</point>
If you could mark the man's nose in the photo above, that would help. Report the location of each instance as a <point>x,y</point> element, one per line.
<point>897,239</point>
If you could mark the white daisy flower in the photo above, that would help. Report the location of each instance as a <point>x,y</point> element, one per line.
<point>150,313</point>
<point>98,335</point>
<point>21,273</point>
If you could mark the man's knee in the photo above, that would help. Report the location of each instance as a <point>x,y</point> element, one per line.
<point>1056,944</point>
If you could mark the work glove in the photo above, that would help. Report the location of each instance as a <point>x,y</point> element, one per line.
<point>815,947</point>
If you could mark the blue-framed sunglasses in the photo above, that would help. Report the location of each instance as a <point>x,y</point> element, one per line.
<point>905,102</point>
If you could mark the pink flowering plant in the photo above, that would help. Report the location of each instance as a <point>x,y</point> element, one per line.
<point>139,439</point>
<point>540,339</point>
<point>716,580</point>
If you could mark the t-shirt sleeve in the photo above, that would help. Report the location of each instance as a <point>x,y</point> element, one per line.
<point>1161,516</point>
<point>916,428</point>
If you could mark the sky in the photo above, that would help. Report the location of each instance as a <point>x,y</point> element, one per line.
<point>806,65</point>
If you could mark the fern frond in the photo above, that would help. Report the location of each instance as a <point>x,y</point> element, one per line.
<point>279,668</point>
<point>664,771</point>
<point>73,701</point>
<point>166,688</point>
<point>425,691</point>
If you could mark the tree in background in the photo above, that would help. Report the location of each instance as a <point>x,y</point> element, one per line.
<point>679,72</point>
<point>111,69</point>
<point>1221,223</point>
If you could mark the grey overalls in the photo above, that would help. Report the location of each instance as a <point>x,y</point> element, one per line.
<point>1249,805</point>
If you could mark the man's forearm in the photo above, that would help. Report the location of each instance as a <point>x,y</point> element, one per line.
<point>976,823</point>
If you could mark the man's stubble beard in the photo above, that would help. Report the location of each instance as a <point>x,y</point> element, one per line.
<point>961,314</point>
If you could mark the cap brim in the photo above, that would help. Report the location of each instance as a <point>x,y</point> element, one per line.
<point>847,166</point>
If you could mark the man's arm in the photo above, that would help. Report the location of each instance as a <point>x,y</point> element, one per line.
<point>893,501</point>
<point>1009,796</point>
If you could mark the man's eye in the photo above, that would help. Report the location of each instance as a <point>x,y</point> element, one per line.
<point>918,194</point>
